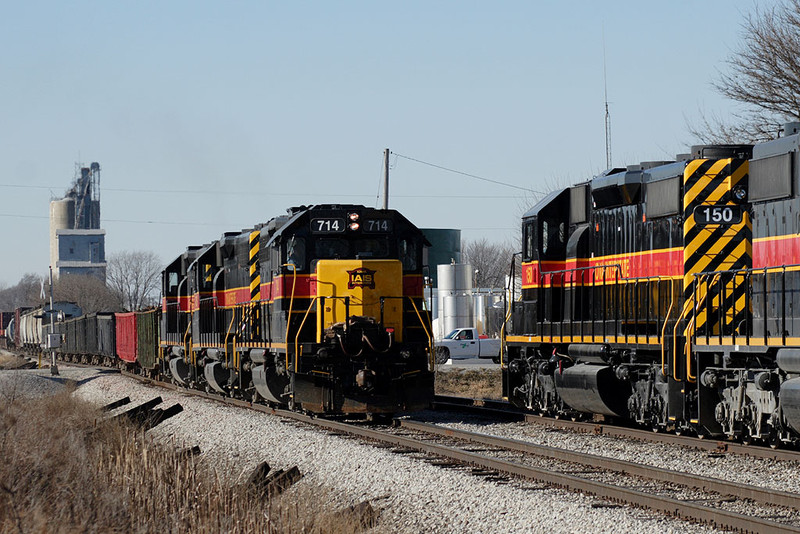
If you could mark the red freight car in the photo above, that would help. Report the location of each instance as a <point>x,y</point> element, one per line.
<point>126,336</point>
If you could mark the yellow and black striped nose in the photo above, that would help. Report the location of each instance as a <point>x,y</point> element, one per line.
<point>717,237</point>
<point>255,274</point>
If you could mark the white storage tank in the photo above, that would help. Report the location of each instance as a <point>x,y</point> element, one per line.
<point>455,295</point>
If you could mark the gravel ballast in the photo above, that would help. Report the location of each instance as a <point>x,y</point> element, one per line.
<point>411,494</point>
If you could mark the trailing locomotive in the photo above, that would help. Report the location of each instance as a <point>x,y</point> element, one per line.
<point>319,310</point>
<point>667,293</point>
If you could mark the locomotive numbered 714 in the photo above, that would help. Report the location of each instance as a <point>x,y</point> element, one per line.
<point>320,310</point>
<point>667,293</point>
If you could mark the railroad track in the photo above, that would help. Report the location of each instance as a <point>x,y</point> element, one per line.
<point>692,498</point>
<point>447,447</point>
<point>671,492</point>
<point>494,408</point>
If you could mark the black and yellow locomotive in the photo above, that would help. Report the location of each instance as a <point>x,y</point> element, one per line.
<point>320,310</point>
<point>667,293</point>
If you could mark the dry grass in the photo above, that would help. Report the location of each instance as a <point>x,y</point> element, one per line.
<point>61,471</point>
<point>472,383</point>
<point>12,361</point>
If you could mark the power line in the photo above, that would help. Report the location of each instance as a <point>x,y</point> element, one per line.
<point>250,194</point>
<point>467,174</point>
<point>15,216</point>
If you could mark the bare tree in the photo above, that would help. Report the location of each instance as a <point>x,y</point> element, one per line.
<point>136,277</point>
<point>763,76</point>
<point>27,292</point>
<point>87,291</point>
<point>492,261</point>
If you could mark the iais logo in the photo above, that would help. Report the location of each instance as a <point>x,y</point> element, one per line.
<point>361,277</point>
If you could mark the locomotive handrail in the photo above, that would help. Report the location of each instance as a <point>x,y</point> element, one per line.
<point>291,305</point>
<point>227,333</point>
<point>506,308</point>
<point>346,298</point>
<point>186,341</point>
<point>615,285</point>
<point>431,357</point>
<point>748,275</point>
<point>688,332</point>
<point>300,329</point>
<point>503,334</point>
<point>562,272</point>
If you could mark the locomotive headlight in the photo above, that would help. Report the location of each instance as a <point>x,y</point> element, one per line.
<point>354,224</point>
<point>739,194</point>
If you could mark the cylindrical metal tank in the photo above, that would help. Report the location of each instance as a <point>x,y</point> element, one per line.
<point>62,217</point>
<point>480,313</point>
<point>445,249</point>
<point>455,296</point>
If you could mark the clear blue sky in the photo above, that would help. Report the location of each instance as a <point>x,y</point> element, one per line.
<point>258,106</point>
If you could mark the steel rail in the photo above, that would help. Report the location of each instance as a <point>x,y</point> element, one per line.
<point>743,491</point>
<point>667,505</point>
<point>495,407</point>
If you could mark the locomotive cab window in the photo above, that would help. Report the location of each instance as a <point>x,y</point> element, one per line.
<point>529,249</point>
<point>407,253</point>
<point>372,248</point>
<point>554,235</point>
<point>296,252</point>
<point>172,284</point>
<point>332,248</point>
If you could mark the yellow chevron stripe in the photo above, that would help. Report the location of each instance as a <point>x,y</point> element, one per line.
<point>712,174</point>
<point>691,168</point>
<point>739,173</point>
<point>732,233</point>
<point>737,253</point>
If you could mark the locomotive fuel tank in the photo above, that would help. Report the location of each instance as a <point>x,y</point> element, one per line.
<point>789,361</point>
<point>593,389</point>
<point>790,402</point>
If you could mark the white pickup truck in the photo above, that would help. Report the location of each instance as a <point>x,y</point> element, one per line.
<point>464,343</point>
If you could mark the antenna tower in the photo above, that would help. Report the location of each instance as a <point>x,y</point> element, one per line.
<point>608,115</point>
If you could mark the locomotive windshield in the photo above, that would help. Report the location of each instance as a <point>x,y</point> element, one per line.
<point>341,248</point>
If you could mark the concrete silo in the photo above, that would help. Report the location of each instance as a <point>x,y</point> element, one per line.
<point>77,243</point>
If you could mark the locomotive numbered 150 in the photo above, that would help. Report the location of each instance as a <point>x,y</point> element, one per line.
<point>320,310</point>
<point>667,293</point>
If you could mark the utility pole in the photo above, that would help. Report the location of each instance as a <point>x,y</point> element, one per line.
<point>386,179</point>
<point>608,115</point>
<point>51,335</point>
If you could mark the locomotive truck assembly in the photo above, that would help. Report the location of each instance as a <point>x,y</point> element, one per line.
<point>667,293</point>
